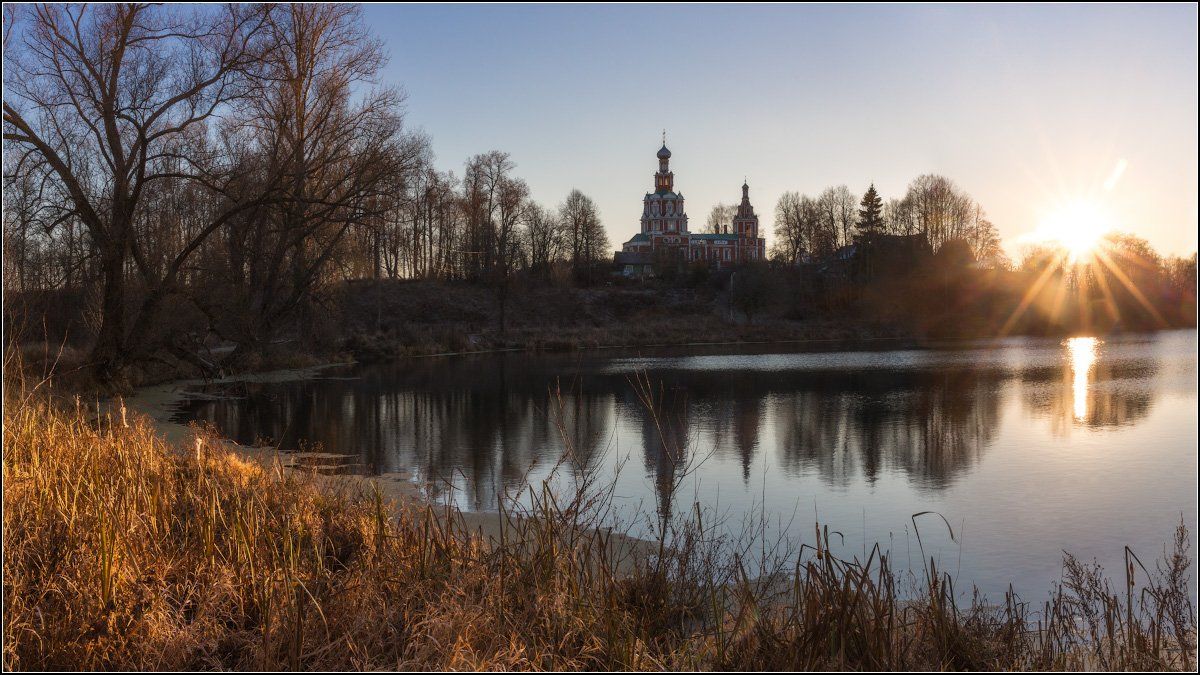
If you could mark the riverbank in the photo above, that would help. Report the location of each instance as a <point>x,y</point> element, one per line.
<point>157,405</point>
<point>126,551</point>
<point>389,319</point>
<point>385,319</point>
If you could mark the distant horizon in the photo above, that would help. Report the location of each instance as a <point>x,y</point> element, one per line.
<point>1025,108</point>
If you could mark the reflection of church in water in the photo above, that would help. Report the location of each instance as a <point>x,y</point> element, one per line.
<point>664,231</point>
<point>473,434</point>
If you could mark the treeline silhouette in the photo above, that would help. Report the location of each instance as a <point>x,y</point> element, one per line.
<point>809,228</point>
<point>903,284</point>
<point>181,177</point>
<point>176,171</point>
<point>932,263</point>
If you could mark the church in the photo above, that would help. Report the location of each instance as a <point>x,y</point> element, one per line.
<point>665,229</point>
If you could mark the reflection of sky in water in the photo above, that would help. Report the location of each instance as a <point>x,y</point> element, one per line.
<point>1005,354</point>
<point>1028,446</point>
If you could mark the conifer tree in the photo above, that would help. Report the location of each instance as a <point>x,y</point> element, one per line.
<point>870,215</point>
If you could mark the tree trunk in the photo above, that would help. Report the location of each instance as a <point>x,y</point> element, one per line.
<point>108,354</point>
<point>502,293</point>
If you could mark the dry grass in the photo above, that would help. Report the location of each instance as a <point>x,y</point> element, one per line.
<point>123,553</point>
<point>393,319</point>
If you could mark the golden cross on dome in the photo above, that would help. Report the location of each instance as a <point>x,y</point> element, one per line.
<point>664,136</point>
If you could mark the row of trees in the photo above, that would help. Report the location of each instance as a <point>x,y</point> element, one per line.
<point>1122,285</point>
<point>189,170</point>
<point>813,227</point>
<point>234,161</point>
<point>1123,281</point>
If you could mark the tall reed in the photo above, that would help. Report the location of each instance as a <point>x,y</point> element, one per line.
<point>122,552</point>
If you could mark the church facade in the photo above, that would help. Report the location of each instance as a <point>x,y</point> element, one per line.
<point>664,229</point>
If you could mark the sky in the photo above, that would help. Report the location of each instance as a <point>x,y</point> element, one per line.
<point>1027,108</point>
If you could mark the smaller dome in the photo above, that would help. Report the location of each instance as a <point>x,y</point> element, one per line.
<point>664,153</point>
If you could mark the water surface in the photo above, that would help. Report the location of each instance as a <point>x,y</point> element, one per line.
<point>1027,446</point>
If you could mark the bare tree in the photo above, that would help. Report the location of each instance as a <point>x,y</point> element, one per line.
<point>420,229</point>
<point>486,178</point>
<point>802,228</point>
<point>898,217</point>
<point>938,208</point>
<point>545,238</point>
<point>587,240</point>
<point>337,161</point>
<point>789,236</point>
<point>984,239</point>
<point>105,101</point>
<point>720,218</point>
<point>512,202</point>
<point>838,215</point>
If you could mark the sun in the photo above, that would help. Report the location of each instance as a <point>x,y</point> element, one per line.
<point>1078,226</point>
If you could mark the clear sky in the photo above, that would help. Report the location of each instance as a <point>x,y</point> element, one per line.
<point>1025,107</point>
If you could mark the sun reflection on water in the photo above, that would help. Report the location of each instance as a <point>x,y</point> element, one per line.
<point>1082,351</point>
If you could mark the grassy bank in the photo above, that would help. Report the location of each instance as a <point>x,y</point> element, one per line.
<point>389,319</point>
<point>380,320</point>
<point>123,552</point>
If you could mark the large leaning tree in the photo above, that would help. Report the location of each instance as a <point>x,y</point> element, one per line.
<point>102,105</point>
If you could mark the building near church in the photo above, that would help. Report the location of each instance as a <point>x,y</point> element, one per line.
<point>664,233</point>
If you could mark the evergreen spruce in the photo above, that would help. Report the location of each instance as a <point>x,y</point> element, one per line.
<point>870,216</point>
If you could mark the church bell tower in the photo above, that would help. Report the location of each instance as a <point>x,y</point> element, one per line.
<point>664,180</point>
<point>745,223</point>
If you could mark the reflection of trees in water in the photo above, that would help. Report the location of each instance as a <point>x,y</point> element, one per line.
<point>735,424</point>
<point>666,440</point>
<point>931,426</point>
<point>482,442</point>
<point>747,416</point>
<point>483,430</point>
<point>1109,394</point>
<point>483,424</point>
<point>478,430</point>
<point>586,423</point>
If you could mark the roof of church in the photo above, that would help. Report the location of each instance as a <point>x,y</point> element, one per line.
<point>640,236</point>
<point>664,153</point>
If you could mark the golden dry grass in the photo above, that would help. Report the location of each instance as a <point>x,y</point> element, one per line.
<point>121,552</point>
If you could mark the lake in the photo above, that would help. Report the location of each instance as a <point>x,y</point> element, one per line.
<point>1027,446</point>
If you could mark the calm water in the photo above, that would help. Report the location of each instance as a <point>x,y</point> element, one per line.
<point>1027,446</point>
